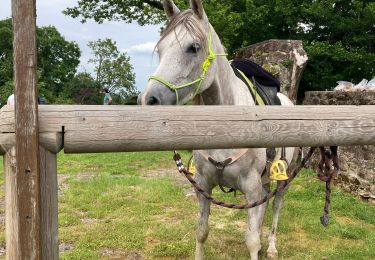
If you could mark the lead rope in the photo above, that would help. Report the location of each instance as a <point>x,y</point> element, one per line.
<point>182,169</point>
<point>325,173</point>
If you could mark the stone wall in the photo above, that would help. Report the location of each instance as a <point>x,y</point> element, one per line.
<point>357,174</point>
<point>285,59</point>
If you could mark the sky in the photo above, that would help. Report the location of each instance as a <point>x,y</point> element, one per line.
<point>137,41</point>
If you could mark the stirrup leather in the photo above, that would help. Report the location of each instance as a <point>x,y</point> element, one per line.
<point>278,170</point>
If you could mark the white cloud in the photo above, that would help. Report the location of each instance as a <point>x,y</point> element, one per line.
<point>143,48</point>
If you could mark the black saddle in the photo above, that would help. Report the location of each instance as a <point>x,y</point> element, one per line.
<point>266,85</point>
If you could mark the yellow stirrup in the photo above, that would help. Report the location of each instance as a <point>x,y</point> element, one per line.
<point>278,170</point>
<point>191,166</point>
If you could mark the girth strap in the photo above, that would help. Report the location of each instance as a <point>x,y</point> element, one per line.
<point>235,157</point>
<point>220,166</point>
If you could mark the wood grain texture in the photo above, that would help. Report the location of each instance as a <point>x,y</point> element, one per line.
<point>26,129</point>
<point>49,209</point>
<point>50,141</point>
<point>7,141</point>
<point>123,128</point>
<point>12,228</point>
<point>49,204</point>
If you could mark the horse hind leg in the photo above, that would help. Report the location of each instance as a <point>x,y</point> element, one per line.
<point>292,155</point>
<point>255,217</point>
<point>202,228</point>
<point>277,206</point>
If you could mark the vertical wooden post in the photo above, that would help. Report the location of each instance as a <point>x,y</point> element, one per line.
<point>24,229</point>
<point>11,210</point>
<point>49,221</point>
<point>49,203</point>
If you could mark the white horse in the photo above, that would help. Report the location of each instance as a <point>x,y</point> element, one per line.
<point>193,66</point>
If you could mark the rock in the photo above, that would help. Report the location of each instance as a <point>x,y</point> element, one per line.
<point>2,250</point>
<point>344,165</point>
<point>285,59</point>
<point>65,247</point>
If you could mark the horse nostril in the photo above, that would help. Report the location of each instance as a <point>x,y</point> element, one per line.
<point>153,101</point>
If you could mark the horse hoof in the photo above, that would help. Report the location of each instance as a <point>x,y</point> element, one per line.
<point>272,255</point>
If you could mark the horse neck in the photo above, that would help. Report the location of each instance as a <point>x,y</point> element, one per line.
<point>227,88</point>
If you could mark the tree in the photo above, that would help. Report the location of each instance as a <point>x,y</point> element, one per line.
<point>338,35</point>
<point>58,60</point>
<point>145,12</point>
<point>113,69</point>
<point>82,89</point>
<point>6,60</point>
<point>6,51</point>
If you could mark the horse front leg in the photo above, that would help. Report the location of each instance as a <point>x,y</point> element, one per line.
<point>277,206</point>
<point>203,215</point>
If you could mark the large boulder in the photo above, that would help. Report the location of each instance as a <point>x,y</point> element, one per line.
<point>285,59</point>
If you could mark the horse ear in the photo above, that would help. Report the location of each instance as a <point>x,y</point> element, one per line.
<point>198,9</point>
<point>170,8</point>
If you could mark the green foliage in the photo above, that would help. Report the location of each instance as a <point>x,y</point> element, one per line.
<point>6,54</point>
<point>82,89</point>
<point>338,35</point>
<point>6,60</point>
<point>144,12</point>
<point>57,61</point>
<point>333,62</point>
<point>113,69</point>
<point>5,91</point>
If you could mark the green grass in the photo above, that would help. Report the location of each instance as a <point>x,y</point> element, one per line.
<point>124,204</point>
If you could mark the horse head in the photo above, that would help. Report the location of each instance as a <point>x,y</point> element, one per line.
<point>187,57</point>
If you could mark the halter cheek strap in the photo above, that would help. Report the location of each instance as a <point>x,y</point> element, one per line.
<point>205,67</point>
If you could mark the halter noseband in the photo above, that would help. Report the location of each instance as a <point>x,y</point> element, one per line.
<point>205,66</point>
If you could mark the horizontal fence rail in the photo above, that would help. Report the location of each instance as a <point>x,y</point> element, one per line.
<point>95,129</point>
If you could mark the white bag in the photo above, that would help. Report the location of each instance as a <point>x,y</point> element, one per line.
<point>344,86</point>
<point>371,85</point>
<point>361,86</point>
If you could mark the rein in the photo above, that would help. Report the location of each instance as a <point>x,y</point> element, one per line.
<point>205,67</point>
<point>326,172</point>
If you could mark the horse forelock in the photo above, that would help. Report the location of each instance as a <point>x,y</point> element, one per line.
<point>191,23</point>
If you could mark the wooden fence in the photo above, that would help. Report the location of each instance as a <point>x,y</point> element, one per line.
<point>30,138</point>
<point>93,129</point>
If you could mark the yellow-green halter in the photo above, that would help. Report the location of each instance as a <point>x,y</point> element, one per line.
<point>205,66</point>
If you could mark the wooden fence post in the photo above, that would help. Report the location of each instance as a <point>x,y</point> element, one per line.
<point>24,221</point>
<point>11,209</point>
<point>49,208</point>
<point>49,201</point>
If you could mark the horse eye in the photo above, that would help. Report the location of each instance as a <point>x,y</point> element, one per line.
<point>194,48</point>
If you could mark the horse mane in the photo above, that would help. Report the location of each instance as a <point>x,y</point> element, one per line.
<point>192,24</point>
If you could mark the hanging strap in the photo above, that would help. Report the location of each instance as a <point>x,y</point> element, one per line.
<point>254,93</point>
<point>220,166</point>
<point>235,157</point>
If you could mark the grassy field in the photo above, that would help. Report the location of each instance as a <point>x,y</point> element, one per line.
<point>136,206</point>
